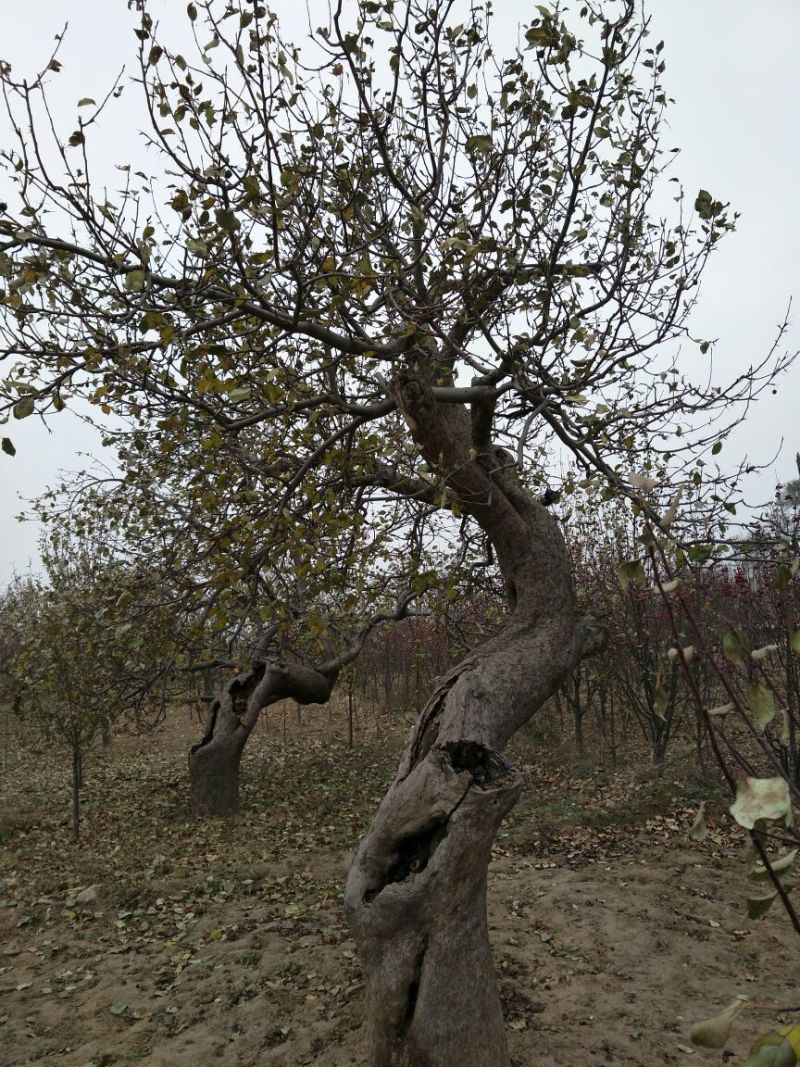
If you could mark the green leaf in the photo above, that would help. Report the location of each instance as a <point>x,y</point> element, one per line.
<point>86,101</point>
<point>134,281</point>
<point>758,906</point>
<point>480,142</point>
<point>242,392</point>
<point>199,248</point>
<point>8,447</point>
<point>191,11</point>
<point>761,798</point>
<point>631,573</point>
<point>737,647</point>
<point>776,1050</point>
<point>783,575</point>
<point>714,1032</point>
<point>23,408</point>
<point>780,866</point>
<point>227,221</point>
<point>761,704</point>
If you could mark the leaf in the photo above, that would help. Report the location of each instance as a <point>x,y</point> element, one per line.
<point>714,1032</point>
<point>23,408</point>
<point>780,866</point>
<point>191,11</point>
<point>721,709</point>
<point>480,142</point>
<point>776,1050</point>
<point>227,221</point>
<point>631,573</point>
<point>761,653</point>
<point>737,647</point>
<point>699,830</point>
<point>642,481</point>
<point>242,392</point>
<point>86,101</point>
<point>761,798</point>
<point>8,447</point>
<point>199,248</point>
<point>667,587</point>
<point>669,515</point>
<point>134,281</point>
<point>118,1009</point>
<point>782,1045</point>
<point>688,653</point>
<point>758,906</point>
<point>761,704</point>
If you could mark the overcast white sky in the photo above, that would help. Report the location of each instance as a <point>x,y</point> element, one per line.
<point>732,68</point>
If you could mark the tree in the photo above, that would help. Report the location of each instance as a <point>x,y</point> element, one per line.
<point>390,263</point>
<point>325,582</point>
<point>77,655</point>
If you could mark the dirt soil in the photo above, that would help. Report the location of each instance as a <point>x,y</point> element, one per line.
<point>224,941</point>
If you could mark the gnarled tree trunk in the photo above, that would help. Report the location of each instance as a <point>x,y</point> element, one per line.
<point>416,891</point>
<point>214,762</point>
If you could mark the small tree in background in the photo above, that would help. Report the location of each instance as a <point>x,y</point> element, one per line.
<point>79,658</point>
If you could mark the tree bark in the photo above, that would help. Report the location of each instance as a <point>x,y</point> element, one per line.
<point>416,891</point>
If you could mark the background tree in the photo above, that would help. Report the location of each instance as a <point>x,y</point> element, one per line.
<point>406,258</point>
<point>78,656</point>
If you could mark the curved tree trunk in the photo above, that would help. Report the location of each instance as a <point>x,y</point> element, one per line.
<point>416,890</point>
<point>214,762</point>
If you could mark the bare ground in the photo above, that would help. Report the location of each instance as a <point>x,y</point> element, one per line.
<point>224,941</point>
